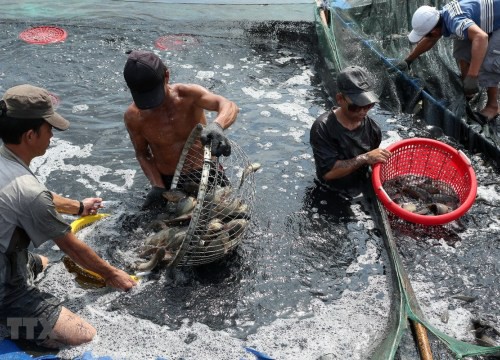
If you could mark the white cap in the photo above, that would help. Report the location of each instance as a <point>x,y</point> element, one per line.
<point>423,21</point>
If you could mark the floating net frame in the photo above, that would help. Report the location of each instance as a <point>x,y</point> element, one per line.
<point>175,41</point>
<point>43,35</point>
<point>223,194</point>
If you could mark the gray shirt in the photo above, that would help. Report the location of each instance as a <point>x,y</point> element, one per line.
<point>25,203</point>
<point>27,211</point>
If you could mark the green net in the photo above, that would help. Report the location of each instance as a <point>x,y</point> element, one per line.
<point>405,306</point>
<point>373,34</point>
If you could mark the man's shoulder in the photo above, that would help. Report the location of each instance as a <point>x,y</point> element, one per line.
<point>186,90</point>
<point>324,117</point>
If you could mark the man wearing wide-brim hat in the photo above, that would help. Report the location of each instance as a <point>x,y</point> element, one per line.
<point>31,214</point>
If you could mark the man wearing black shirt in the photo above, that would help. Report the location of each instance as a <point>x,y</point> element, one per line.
<point>345,140</point>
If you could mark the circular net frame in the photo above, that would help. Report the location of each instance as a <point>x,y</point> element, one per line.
<point>224,201</point>
<point>175,42</point>
<point>42,35</point>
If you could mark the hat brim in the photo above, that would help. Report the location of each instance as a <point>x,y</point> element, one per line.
<point>57,121</point>
<point>364,98</point>
<point>414,37</point>
<point>149,99</point>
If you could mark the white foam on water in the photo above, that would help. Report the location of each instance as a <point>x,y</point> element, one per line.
<point>60,150</point>
<point>294,110</point>
<point>355,329</point>
<point>265,113</point>
<point>306,334</point>
<point>284,60</point>
<point>369,257</point>
<point>487,194</point>
<point>79,108</point>
<point>300,93</point>
<point>390,138</point>
<point>265,146</point>
<point>296,133</point>
<point>302,79</point>
<point>265,81</point>
<point>258,94</point>
<point>228,66</point>
<point>204,75</point>
<point>459,320</point>
<point>185,66</point>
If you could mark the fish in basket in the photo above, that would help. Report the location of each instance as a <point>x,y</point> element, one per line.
<point>425,181</point>
<point>210,204</point>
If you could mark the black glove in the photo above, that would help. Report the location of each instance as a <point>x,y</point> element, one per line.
<point>401,65</point>
<point>214,133</point>
<point>154,199</point>
<point>471,86</point>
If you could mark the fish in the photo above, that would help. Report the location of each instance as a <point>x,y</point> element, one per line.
<point>148,250</point>
<point>235,227</point>
<point>214,226</point>
<point>445,316</point>
<point>225,208</point>
<point>219,194</point>
<point>439,209</point>
<point>191,187</point>
<point>465,298</point>
<point>484,332</point>
<point>168,237</point>
<point>174,195</point>
<point>185,206</point>
<point>218,246</point>
<point>156,225</point>
<point>241,212</point>
<point>416,193</point>
<point>409,207</point>
<point>253,167</point>
<point>422,195</point>
<point>179,220</point>
<point>428,187</point>
<point>151,264</point>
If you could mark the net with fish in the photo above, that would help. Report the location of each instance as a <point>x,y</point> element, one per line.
<point>217,201</point>
<point>428,171</point>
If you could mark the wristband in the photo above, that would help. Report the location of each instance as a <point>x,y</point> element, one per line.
<point>80,210</point>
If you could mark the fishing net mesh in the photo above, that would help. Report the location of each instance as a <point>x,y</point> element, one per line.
<point>373,34</point>
<point>224,194</point>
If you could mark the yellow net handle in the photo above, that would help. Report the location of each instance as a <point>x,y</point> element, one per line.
<point>78,225</point>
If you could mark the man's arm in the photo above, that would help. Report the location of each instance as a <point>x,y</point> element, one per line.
<point>143,153</point>
<point>69,206</point>
<point>422,46</point>
<point>227,111</point>
<point>479,47</point>
<point>343,168</point>
<point>83,255</point>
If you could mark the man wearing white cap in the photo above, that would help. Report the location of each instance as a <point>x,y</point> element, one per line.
<point>30,215</point>
<point>474,25</point>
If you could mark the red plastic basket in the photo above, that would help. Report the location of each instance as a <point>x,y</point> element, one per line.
<point>433,159</point>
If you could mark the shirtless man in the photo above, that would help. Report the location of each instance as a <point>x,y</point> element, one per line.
<point>162,116</point>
